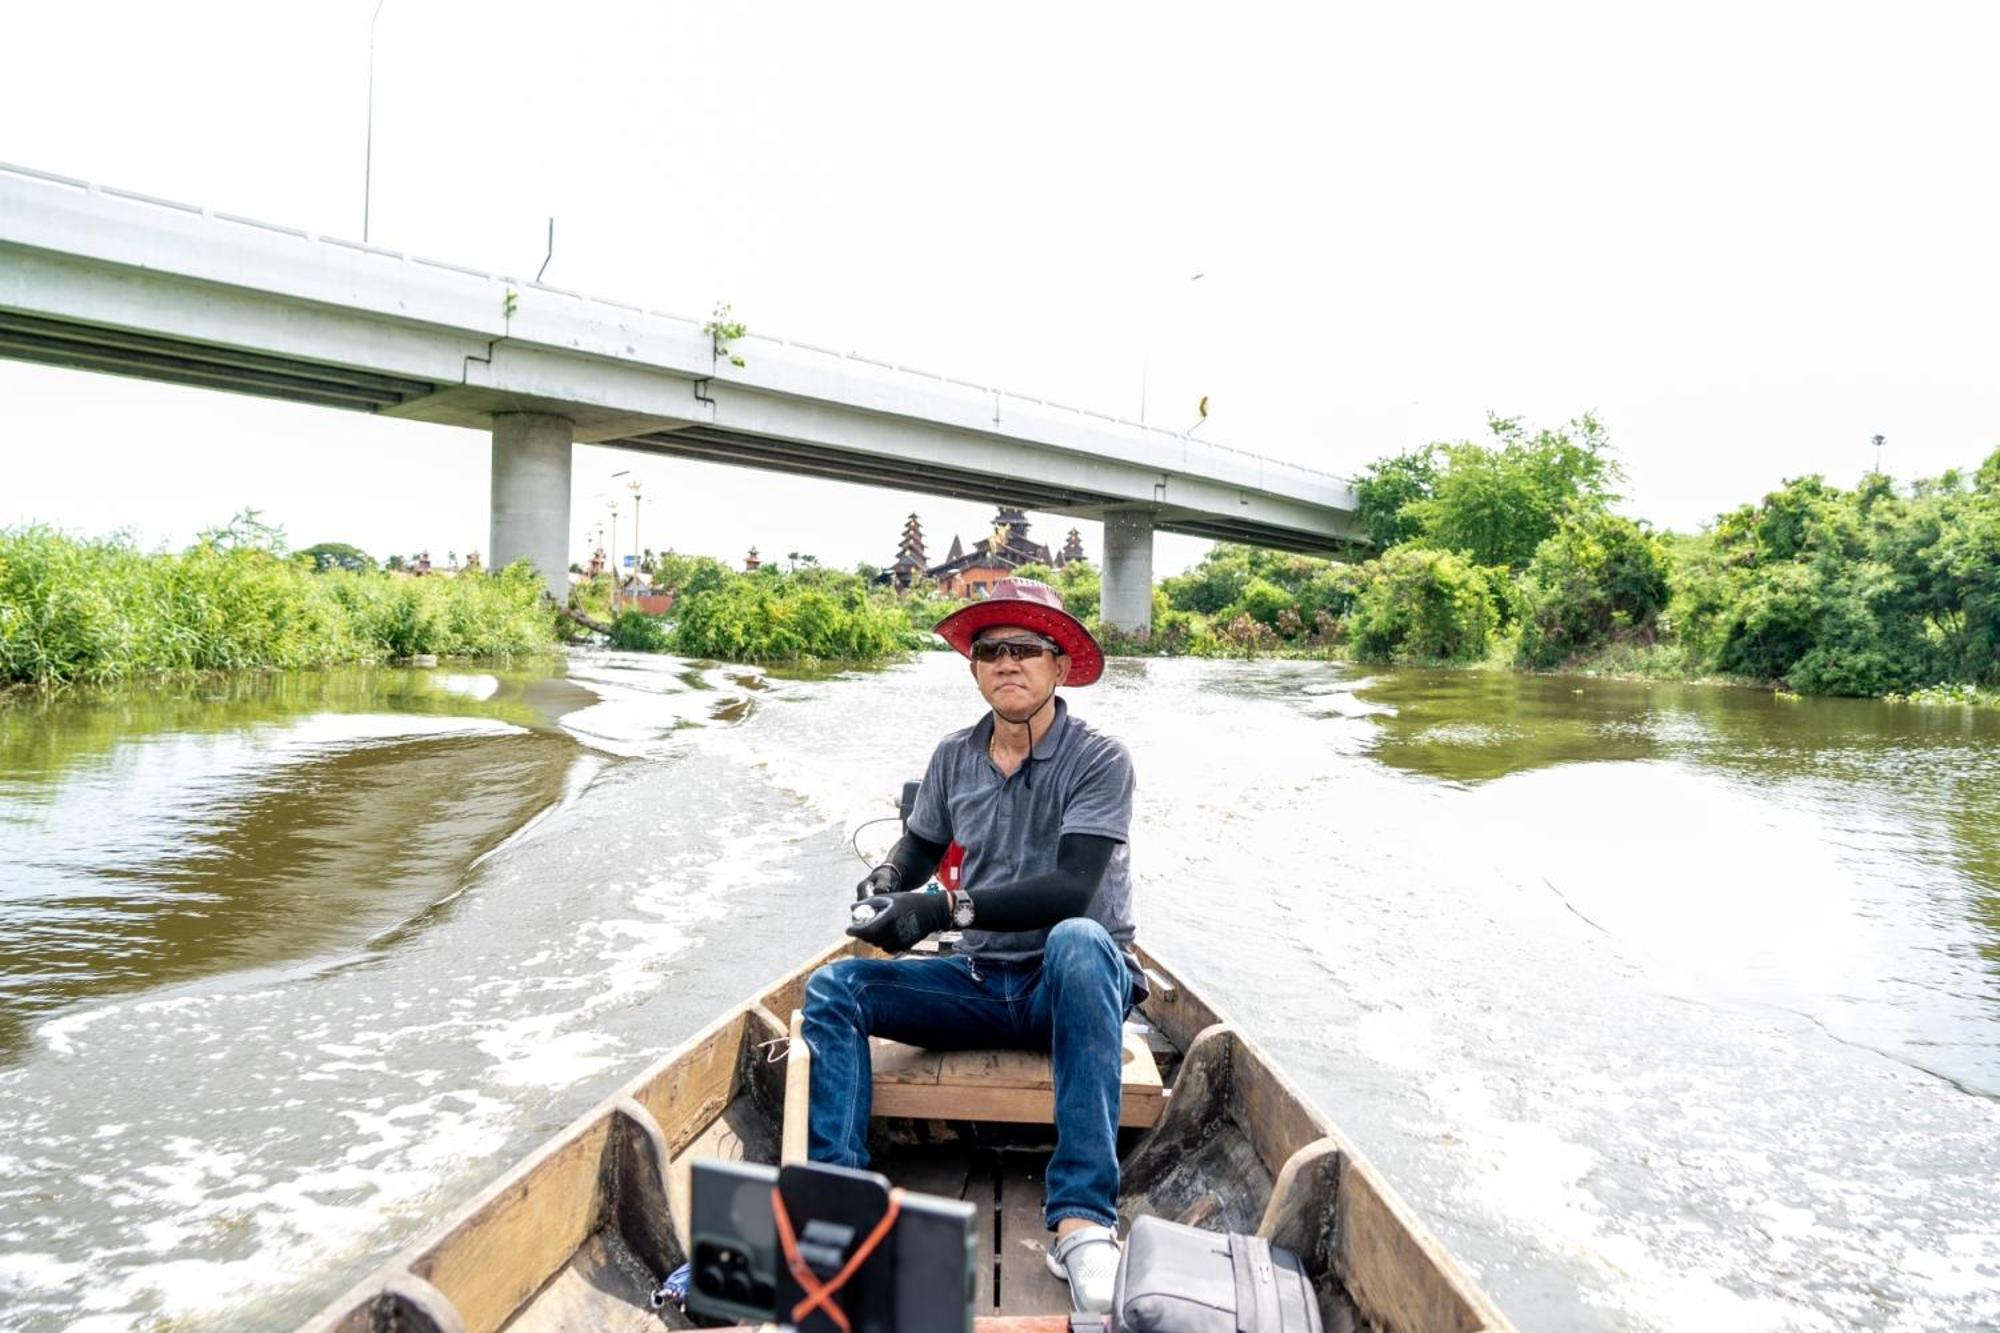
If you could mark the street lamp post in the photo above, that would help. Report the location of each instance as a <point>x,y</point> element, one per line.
<point>1878,453</point>
<point>635,484</point>
<point>368,152</point>
<point>614,556</point>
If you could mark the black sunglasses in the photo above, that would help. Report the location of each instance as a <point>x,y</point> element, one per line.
<point>1021,650</point>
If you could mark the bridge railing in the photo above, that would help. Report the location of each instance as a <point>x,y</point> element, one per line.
<point>1264,466</point>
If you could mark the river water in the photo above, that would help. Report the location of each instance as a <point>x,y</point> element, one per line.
<point>1668,1007</point>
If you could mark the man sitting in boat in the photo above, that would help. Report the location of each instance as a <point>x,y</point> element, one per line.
<point>1041,803</point>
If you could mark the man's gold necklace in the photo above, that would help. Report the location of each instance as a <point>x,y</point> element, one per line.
<point>993,744</point>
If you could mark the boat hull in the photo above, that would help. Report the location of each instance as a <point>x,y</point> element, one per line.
<point>578,1234</point>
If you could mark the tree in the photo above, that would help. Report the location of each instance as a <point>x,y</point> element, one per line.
<point>247,531</point>
<point>339,555</point>
<point>1387,487</point>
<point>1987,482</point>
<point>1847,592</point>
<point>1216,580</point>
<point>1498,503</point>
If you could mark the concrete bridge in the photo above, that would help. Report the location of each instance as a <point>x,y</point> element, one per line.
<point>96,278</point>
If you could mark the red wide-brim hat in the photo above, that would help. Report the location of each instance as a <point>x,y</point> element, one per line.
<point>1034,606</point>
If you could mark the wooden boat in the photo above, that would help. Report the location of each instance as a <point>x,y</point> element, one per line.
<point>580,1234</point>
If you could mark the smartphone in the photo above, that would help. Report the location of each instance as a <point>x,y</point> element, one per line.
<point>735,1265</point>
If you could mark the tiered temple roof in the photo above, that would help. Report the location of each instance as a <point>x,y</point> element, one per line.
<point>965,573</point>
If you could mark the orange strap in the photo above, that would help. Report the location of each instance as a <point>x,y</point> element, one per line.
<point>819,1293</point>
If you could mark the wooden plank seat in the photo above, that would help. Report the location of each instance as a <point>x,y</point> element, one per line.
<point>1011,1087</point>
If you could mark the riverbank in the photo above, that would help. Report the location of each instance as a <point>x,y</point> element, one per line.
<point>1504,553</point>
<point>93,611</point>
<point>100,610</point>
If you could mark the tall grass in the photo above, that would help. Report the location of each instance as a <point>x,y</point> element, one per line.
<point>98,610</point>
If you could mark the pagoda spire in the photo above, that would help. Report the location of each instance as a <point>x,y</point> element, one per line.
<point>911,551</point>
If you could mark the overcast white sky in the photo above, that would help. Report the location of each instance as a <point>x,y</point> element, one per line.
<point>1747,236</point>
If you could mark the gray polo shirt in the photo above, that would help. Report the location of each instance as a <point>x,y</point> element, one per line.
<point>1077,780</point>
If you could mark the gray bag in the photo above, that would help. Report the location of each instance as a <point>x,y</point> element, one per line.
<point>1176,1279</point>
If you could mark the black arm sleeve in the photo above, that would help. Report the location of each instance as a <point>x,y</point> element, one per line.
<point>917,859</point>
<point>1042,900</point>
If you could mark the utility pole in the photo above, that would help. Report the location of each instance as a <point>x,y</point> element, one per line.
<point>614,557</point>
<point>617,582</point>
<point>368,153</point>
<point>635,484</point>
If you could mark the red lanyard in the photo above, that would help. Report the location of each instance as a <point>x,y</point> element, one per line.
<point>819,1293</point>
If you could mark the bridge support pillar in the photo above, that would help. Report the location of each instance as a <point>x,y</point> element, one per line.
<point>1127,599</point>
<point>531,495</point>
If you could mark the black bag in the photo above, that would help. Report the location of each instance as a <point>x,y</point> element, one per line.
<point>1176,1279</point>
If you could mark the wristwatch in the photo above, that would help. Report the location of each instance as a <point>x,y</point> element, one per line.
<point>961,909</point>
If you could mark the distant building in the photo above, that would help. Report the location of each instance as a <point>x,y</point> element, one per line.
<point>994,557</point>
<point>750,562</point>
<point>910,563</point>
<point>648,602</point>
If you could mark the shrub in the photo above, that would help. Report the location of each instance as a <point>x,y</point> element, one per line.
<point>789,616</point>
<point>1264,602</point>
<point>1422,605</point>
<point>637,632</point>
<point>1595,577</point>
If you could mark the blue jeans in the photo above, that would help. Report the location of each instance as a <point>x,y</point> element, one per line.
<point>1071,1002</point>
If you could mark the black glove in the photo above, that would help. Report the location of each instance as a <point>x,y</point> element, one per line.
<point>885,878</point>
<point>900,919</point>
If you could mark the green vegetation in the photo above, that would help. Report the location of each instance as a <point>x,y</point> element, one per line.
<point>76,610</point>
<point>1971,696</point>
<point>1868,591</point>
<point>723,328</point>
<point>801,614</point>
<point>1506,552</point>
<point>637,632</point>
<point>339,555</point>
<point>1424,604</point>
<point>1496,552</point>
<point>798,612</point>
<point>1243,600</point>
<point>1593,580</point>
<point>1496,503</point>
<point>1079,584</point>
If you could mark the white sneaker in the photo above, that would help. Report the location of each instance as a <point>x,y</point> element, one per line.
<point>1087,1259</point>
